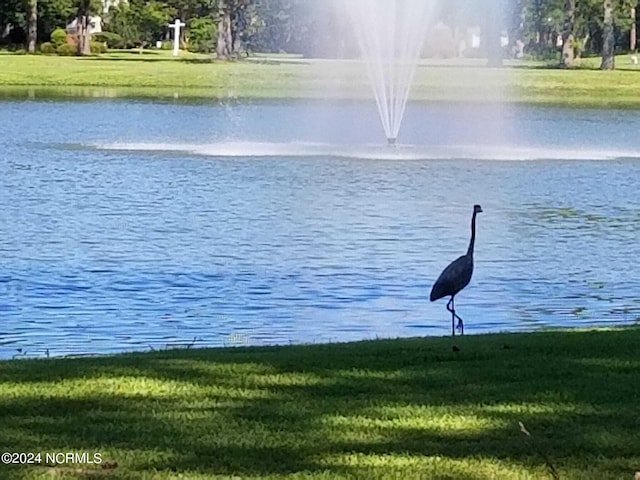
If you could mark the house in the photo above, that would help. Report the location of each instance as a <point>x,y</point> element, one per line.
<point>95,25</point>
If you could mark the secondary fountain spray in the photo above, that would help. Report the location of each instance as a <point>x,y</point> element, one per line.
<point>391,35</point>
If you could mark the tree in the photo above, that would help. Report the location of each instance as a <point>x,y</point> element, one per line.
<point>54,14</point>
<point>309,27</point>
<point>202,31</point>
<point>122,20</point>
<point>633,36</point>
<point>153,18</point>
<point>515,12</point>
<point>493,30</point>
<point>608,40</point>
<point>12,13</point>
<point>225,43</point>
<point>140,23</point>
<point>201,19</point>
<point>32,28</point>
<point>233,27</point>
<point>276,26</point>
<point>188,9</point>
<point>568,39</point>
<point>83,27</point>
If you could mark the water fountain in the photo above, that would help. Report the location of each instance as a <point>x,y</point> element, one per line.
<point>391,35</point>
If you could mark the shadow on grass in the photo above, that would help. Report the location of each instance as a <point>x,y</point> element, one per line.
<point>136,56</point>
<point>623,67</point>
<point>144,59</point>
<point>135,51</point>
<point>386,409</point>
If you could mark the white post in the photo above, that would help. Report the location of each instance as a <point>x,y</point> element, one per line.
<point>176,35</point>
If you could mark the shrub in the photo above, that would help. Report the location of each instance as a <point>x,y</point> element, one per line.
<point>544,53</point>
<point>111,39</point>
<point>48,48</point>
<point>97,47</point>
<point>202,31</point>
<point>66,50</point>
<point>59,37</point>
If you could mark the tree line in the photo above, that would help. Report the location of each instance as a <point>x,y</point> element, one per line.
<point>560,29</point>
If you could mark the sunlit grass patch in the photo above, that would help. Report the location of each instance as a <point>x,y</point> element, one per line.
<point>435,419</point>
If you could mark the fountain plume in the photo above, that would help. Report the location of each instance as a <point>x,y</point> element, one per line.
<point>391,35</point>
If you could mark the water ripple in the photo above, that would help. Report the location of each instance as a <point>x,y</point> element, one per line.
<point>132,249</point>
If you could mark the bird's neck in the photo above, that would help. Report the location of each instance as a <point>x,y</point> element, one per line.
<point>473,236</point>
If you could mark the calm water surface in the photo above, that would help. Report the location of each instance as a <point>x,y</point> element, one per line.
<point>130,225</point>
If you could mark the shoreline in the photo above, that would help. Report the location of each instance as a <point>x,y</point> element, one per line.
<point>195,78</point>
<point>177,348</point>
<point>196,97</point>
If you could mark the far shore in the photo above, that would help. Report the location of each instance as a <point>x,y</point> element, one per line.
<point>156,75</point>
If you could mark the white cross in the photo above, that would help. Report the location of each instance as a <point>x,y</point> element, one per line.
<point>176,35</point>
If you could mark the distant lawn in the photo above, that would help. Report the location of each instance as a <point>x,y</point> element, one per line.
<point>156,74</point>
<point>404,409</point>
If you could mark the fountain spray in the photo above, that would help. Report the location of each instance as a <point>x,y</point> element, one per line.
<point>391,34</point>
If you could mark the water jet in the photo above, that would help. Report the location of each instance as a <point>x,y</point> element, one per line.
<point>391,35</point>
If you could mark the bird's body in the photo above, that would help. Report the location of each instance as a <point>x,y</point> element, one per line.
<point>456,276</point>
<point>453,278</point>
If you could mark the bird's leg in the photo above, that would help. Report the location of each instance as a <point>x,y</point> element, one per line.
<point>453,317</point>
<point>460,324</point>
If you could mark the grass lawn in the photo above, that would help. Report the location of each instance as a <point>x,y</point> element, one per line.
<point>155,74</point>
<point>397,409</point>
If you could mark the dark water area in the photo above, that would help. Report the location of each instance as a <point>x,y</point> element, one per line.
<point>128,225</point>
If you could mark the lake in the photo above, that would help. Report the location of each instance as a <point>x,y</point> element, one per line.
<point>130,225</point>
